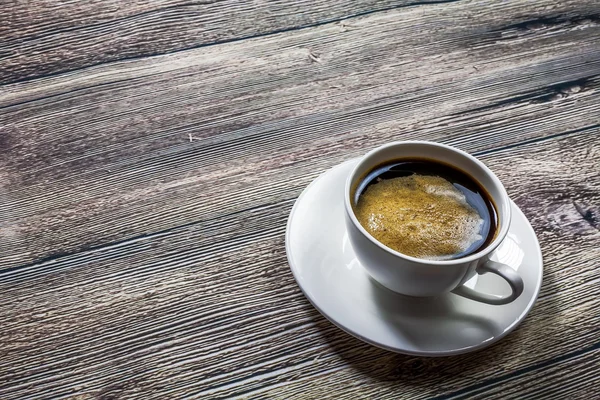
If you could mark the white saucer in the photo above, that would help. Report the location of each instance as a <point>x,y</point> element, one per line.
<point>325,267</point>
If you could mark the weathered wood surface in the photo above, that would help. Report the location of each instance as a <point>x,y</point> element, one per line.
<point>143,196</point>
<point>146,137</point>
<point>91,34</point>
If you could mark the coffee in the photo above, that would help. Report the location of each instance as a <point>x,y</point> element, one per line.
<point>425,209</point>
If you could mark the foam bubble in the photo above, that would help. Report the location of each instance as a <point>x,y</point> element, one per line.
<point>419,215</point>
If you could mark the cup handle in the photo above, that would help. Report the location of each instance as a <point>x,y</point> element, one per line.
<point>507,273</point>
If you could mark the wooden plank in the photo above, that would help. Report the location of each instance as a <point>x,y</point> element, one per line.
<point>45,37</point>
<point>211,309</point>
<point>119,151</point>
<point>67,36</point>
<point>571,377</point>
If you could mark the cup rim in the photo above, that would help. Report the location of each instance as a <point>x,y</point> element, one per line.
<point>504,224</point>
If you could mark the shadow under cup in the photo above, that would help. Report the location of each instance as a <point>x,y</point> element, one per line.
<point>414,276</point>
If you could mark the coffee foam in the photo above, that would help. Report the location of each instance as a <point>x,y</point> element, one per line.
<point>419,215</point>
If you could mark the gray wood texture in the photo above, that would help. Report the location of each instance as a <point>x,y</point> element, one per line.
<point>150,153</point>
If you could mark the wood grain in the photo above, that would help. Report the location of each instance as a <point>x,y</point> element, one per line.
<point>216,300</point>
<point>63,37</point>
<point>144,189</point>
<point>41,38</point>
<point>122,151</point>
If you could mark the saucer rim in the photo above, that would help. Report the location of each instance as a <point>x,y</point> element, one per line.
<point>436,353</point>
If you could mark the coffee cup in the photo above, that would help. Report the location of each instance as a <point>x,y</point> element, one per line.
<point>420,277</point>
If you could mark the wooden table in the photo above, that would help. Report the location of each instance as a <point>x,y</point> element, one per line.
<point>151,153</point>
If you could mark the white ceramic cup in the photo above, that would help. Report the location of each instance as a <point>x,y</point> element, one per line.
<point>421,277</point>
